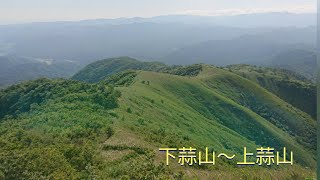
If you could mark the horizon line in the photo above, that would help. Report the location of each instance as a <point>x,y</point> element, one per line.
<point>149,17</point>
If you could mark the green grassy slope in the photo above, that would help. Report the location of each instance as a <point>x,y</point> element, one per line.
<point>262,102</point>
<point>225,111</point>
<point>65,128</point>
<point>100,70</point>
<point>184,111</point>
<point>292,88</point>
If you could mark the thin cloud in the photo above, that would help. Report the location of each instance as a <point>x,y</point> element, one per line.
<point>230,12</point>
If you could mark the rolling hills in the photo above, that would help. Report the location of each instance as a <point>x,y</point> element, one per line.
<point>15,69</point>
<point>100,70</point>
<point>111,120</point>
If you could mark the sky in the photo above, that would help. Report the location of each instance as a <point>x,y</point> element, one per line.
<point>21,11</point>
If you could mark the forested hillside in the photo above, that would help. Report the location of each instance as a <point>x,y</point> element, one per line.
<point>112,120</point>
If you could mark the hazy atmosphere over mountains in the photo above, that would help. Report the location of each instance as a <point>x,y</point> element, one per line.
<point>173,39</point>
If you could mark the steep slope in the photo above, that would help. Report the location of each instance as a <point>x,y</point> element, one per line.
<point>289,86</point>
<point>226,110</point>
<point>265,104</point>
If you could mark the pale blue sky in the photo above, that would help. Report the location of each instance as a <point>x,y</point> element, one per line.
<point>17,11</point>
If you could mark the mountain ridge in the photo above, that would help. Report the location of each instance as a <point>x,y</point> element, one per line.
<point>113,127</point>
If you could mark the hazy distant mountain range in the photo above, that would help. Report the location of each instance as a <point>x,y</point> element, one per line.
<point>301,61</point>
<point>252,49</point>
<point>15,69</point>
<point>173,39</point>
<point>253,20</point>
